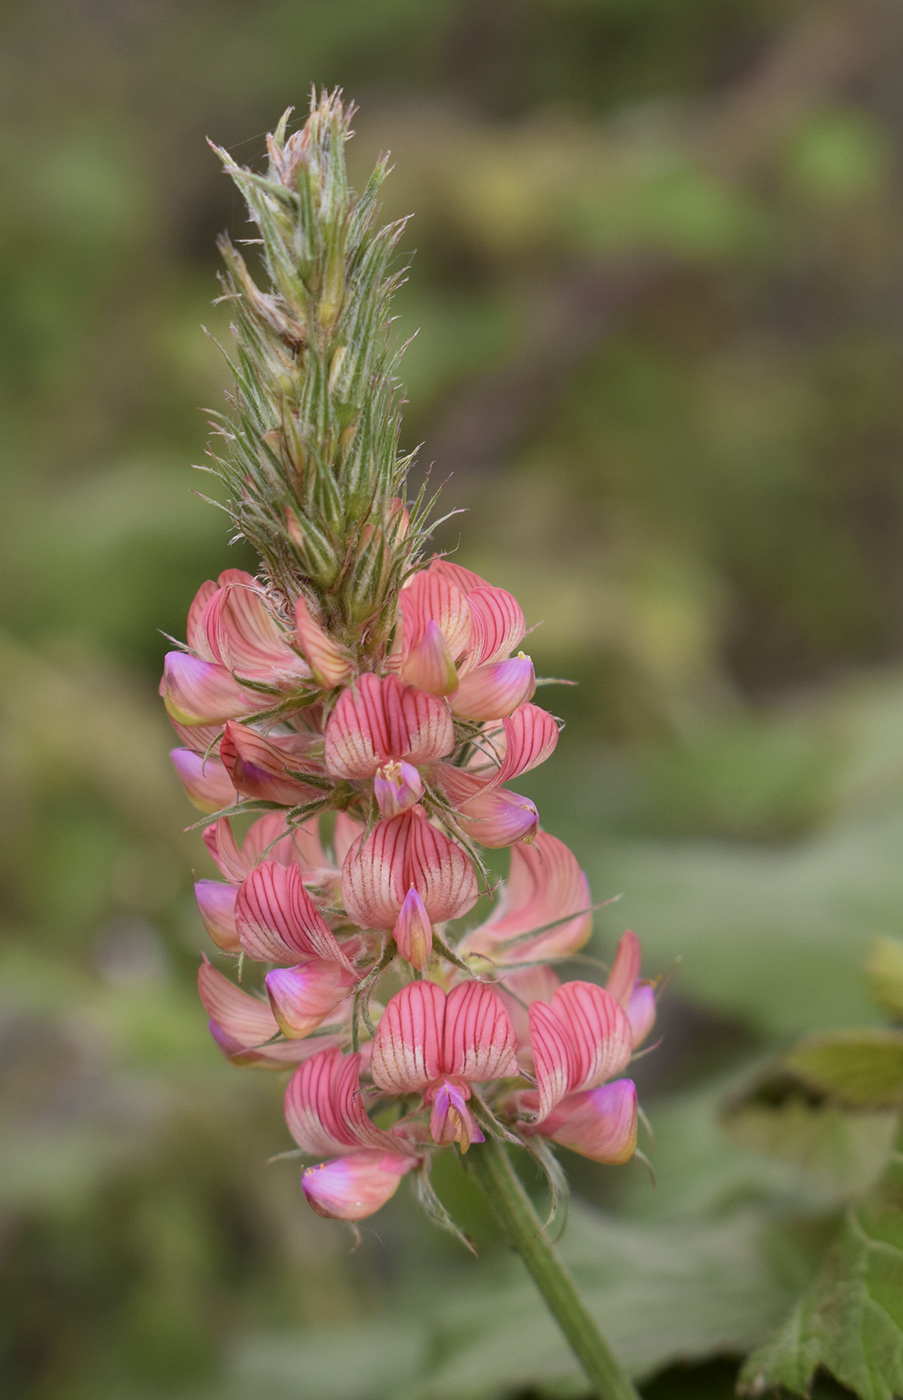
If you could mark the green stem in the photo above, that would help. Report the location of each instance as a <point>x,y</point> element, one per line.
<point>514,1211</point>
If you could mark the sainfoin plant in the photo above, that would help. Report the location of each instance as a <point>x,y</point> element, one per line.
<point>367,704</point>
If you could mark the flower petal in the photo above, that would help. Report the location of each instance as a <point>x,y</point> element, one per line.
<point>429,664</point>
<point>194,632</point>
<point>277,920</point>
<point>598,1123</point>
<point>599,1032</point>
<point>219,838</point>
<point>553,1056</point>
<point>498,624</point>
<point>479,1041</point>
<point>380,718</point>
<point>258,766</point>
<point>531,734</point>
<point>205,780</point>
<point>329,663</point>
<point>268,838</point>
<point>494,690</point>
<point>625,969</point>
<point>397,786</point>
<point>641,1012</point>
<point>202,692</point>
<point>324,1109</point>
<point>303,997</point>
<point>216,901</point>
<point>401,853</point>
<point>351,1188</point>
<point>464,579</point>
<point>545,912</point>
<point>407,1047</point>
<point>243,635</point>
<point>247,1021</point>
<point>412,931</point>
<point>429,596</point>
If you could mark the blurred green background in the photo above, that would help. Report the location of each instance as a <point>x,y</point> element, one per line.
<point>659,285</point>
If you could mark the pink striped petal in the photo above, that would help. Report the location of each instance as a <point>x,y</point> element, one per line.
<point>412,931</point>
<point>216,902</point>
<point>247,1021</point>
<point>599,1032</point>
<point>407,1047</point>
<point>429,664</point>
<point>429,596</point>
<point>194,632</point>
<point>324,1109</point>
<point>401,853</point>
<point>531,734</point>
<point>397,786</point>
<point>553,1057</point>
<point>242,633</point>
<point>354,1187</point>
<point>498,625</point>
<point>465,580</point>
<point>199,692</point>
<point>494,690</point>
<point>479,1041</point>
<point>380,718</point>
<point>625,969</point>
<point>206,781</point>
<point>277,920</point>
<point>517,990</point>
<point>545,912</point>
<point>258,766</point>
<point>303,997</point>
<point>498,817</point>
<point>599,1123</point>
<point>269,839</point>
<point>328,662</point>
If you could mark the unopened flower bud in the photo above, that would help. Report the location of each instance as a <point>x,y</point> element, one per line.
<point>495,690</point>
<point>413,932</point>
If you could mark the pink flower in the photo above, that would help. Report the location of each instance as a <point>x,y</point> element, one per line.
<point>277,921</point>
<point>326,1117</point>
<point>266,768</point>
<point>579,1041</point>
<point>243,1027</point>
<point>206,780</point>
<point>380,719</point>
<point>597,1123</point>
<point>437,1044</point>
<point>636,996</point>
<point>545,910</point>
<point>400,854</point>
<point>233,625</point>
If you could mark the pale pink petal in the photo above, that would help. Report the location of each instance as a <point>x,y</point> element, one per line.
<point>329,663</point>
<point>197,692</point>
<point>598,1123</point>
<point>412,931</point>
<point>625,969</point>
<point>216,902</point>
<point>303,997</point>
<point>194,633</point>
<point>407,1047</point>
<point>517,990</point>
<point>429,596</point>
<point>494,690</point>
<point>247,1021</point>
<point>530,737</point>
<point>351,1188</point>
<point>479,1041</point>
<point>428,664</point>
<point>498,625</point>
<point>463,579</point>
<point>380,718</point>
<point>499,817</point>
<point>545,912</point>
<point>259,767</point>
<point>277,920</point>
<point>553,1056</point>
<point>243,634</point>
<point>200,738</point>
<point>219,838</point>
<point>641,1012</point>
<point>347,830</point>
<point>598,1029</point>
<point>206,781</point>
<point>278,1055</point>
<point>397,786</point>
<point>269,839</point>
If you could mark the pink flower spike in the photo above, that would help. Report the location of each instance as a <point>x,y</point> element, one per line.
<point>598,1123</point>
<point>258,766</point>
<point>201,692</point>
<point>397,786</point>
<point>451,1120</point>
<point>379,719</point>
<point>351,1188</point>
<point>413,932</point>
<point>328,662</point>
<point>495,690</point>
<point>206,781</point>
<point>277,920</point>
<point>303,997</point>
<point>216,902</point>
<point>429,665</point>
<point>399,853</point>
<point>498,624</point>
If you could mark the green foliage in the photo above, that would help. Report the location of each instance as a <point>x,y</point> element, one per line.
<point>861,1069</point>
<point>884,970</point>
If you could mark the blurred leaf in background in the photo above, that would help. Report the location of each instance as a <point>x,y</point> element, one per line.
<point>657,281</point>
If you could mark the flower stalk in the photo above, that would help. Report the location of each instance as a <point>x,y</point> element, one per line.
<point>514,1212</point>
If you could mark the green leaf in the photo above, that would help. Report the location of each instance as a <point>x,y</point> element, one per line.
<point>850,1319</point>
<point>862,1069</point>
<point>884,970</point>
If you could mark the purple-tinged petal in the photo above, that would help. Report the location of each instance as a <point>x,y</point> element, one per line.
<point>451,1120</point>
<point>303,997</point>
<point>353,1187</point>
<point>641,1012</point>
<point>598,1123</point>
<point>216,901</point>
<point>206,781</point>
<point>429,665</point>
<point>397,786</point>
<point>495,690</point>
<point>201,692</point>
